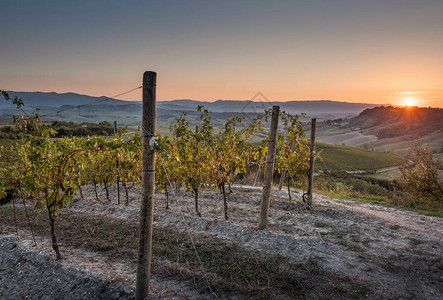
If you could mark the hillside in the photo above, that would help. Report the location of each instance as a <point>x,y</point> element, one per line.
<point>344,158</point>
<point>386,129</point>
<point>391,122</point>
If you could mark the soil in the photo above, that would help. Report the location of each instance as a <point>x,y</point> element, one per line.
<point>397,254</point>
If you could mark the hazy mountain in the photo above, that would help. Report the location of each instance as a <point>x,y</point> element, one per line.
<point>65,106</point>
<point>41,99</point>
<point>325,109</point>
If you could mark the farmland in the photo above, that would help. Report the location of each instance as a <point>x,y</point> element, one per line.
<point>345,158</point>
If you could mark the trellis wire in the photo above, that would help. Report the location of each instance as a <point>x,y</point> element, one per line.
<point>95,102</point>
<point>213,294</point>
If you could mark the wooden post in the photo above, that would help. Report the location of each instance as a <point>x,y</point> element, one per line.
<point>311,162</point>
<point>269,170</point>
<point>116,169</point>
<point>148,180</point>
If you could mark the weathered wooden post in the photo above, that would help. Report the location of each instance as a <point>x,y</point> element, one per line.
<point>116,170</point>
<point>269,169</point>
<point>311,162</point>
<point>148,180</point>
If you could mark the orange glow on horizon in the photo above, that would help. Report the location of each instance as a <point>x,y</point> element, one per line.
<point>410,101</point>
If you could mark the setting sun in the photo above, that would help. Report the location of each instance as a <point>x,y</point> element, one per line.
<point>410,101</point>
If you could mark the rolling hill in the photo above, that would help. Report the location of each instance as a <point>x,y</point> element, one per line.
<point>387,129</point>
<point>65,107</point>
<point>345,158</point>
<point>392,122</point>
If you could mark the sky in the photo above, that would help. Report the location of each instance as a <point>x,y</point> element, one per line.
<point>354,51</point>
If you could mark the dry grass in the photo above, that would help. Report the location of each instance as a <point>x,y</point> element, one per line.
<point>231,269</point>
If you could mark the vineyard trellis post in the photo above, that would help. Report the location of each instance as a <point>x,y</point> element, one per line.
<point>116,170</point>
<point>148,181</point>
<point>311,162</point>
<point>269,169</point>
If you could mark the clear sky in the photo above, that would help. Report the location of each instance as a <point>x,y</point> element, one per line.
<point>358,51</point>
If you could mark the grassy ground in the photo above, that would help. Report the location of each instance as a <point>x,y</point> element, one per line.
<point>232,270</point>
<point>341,158</point>
<point>358,189</point>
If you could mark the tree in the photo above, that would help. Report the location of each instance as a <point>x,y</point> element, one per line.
<point>130,162</point>
<point>43,171</point>
<point>166,161</point>
<point>192,153</point>
<point>292,158</point>
<point>46,169</point>
<point>420,175</point>
<point>230,153</point>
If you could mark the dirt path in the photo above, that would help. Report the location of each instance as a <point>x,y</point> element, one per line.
<point>398,254</point>
<point>431,227</point>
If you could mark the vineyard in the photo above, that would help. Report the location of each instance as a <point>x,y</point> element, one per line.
<point>309,252</point>
<point>50,171</point>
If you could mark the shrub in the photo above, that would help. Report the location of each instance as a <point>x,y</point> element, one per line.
<point>420,175</point>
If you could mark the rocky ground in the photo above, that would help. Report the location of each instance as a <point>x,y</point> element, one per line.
<point>394,253</point>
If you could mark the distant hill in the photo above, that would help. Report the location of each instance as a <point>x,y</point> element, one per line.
<point>52,99</point>
<point>391,122</point>
<point>323,109</point>
<point>41,99</point>
<point>387,129</point>
<point>83,108</point>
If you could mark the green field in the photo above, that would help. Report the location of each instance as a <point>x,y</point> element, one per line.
<point>345,158</point>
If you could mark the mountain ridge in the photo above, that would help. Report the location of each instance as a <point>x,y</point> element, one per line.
<point>69,98</point>
<point>54,99</point>
<point>82,108</point>
<point>292,106</point>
